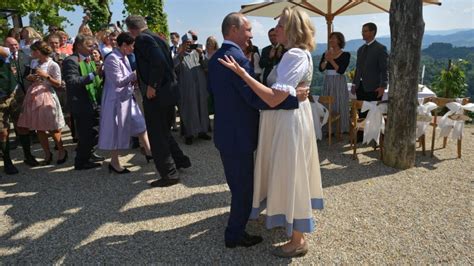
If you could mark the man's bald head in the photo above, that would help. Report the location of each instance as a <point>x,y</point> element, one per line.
<point>12,44</point>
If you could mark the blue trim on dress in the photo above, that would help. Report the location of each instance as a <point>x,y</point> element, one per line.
<point>279,220</point>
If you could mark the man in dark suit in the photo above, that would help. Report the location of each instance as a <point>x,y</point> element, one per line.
<point>271,55</point>
<point>18,63</point>
<point>160,95</point>
<point>371,75</point>
<point>236,126</point>
<point>81,104</point>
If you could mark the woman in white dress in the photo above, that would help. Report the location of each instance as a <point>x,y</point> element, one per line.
<point>287,174</point>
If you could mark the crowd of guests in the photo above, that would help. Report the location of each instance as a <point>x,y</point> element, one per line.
<point>116,88</point>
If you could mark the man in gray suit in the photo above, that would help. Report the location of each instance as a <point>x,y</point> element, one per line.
<point>371,75</point>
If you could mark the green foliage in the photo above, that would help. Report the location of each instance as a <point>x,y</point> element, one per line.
<point>47,11</point>
<point>451,82</point>
<point>152,9</point>
<point>36,22</point>
<point>99,13</point>
<point>3,28</point>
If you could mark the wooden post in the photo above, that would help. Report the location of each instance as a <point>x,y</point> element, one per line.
<point>406,28</point>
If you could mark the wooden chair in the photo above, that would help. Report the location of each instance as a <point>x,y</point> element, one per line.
<point>357,124</point>
<point>334,117</point>
<point>441,102</point>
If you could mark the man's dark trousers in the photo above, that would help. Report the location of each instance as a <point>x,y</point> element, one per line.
<point>238,169</point>
<point>164,148</point>
<point>85,131</point>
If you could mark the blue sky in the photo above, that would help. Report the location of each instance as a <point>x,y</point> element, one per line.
<point>205,17</point>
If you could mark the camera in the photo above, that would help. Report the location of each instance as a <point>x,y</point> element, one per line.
<point>193,46</point>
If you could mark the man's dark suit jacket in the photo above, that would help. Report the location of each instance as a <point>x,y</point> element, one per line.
<point>266,63</point>
<point>372,67</point>
<point>155,67</point>
<point>78,99</point>
<point>236,105</point>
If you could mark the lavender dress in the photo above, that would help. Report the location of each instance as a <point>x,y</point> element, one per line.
<point>120,116</point>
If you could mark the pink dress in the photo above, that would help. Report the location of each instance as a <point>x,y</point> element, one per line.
<point>41,108</point>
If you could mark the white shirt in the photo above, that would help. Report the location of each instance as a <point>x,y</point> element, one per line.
<point>296,66</point>
<point>371,42</point>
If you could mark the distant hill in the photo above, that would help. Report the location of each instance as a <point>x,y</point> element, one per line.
<point>463,38</point>
<point>447,51</point>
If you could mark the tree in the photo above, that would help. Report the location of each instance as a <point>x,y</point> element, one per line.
<point>406,30</point>
<point>451,82</point>
<point>152,10</point>
<point>99,11</point>
<point>36,22</point>
<point>48,11</point>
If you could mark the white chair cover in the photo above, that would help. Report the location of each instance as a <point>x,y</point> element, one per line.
<point>374,122</point>
<point>446,124</point>
<point>424,117</point>
<point>319,111</point>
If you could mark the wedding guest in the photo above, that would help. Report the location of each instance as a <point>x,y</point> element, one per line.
<point>287,172</point>
<point>15,70</point>
<point>54,41</point>
<point>371,75</point>
<point>83,84</point>
<point>192,84</point>
<point>157,84</point>
<point>271,55</point>
<point>109,41</point>
<point>254,58</point>
<point>174,37</point>
<point>97,57</point>
<point>334,62</point>
<point>211,46</point>
<point>120,116</point>
<point>14,33</point>
<point>64,46</point>
<point>28,36</point>
<point>41,107</point>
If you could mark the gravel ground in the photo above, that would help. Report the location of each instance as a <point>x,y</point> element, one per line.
<point>373,214</point>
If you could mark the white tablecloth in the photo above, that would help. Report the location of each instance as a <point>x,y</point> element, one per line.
<point>423,92</point>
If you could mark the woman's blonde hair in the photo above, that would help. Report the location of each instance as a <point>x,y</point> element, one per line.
<point>298,28</point>
<point>212,43</point>
<point>33,35</point>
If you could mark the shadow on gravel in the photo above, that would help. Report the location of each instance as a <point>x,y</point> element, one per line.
<point>54,212</point>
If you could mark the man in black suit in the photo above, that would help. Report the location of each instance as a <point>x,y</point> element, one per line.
<point>81,104</point>
<point>271,55</point>
<point>371,75</point>
<point>160,94</point>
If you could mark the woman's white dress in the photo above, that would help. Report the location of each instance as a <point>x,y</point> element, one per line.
<point>287,174</point>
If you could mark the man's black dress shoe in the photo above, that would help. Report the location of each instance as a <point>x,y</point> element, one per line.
<point>188,140</point>
<point>31,161</point>
<point>96,158</point>
<point>184,163</point>
<point>246,241</point>
<point>165,182</point>
<point>10,169</point>
<point>204,136</point>
<point>85,166</point>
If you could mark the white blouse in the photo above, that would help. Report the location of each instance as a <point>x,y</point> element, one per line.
<point>296,66</point>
